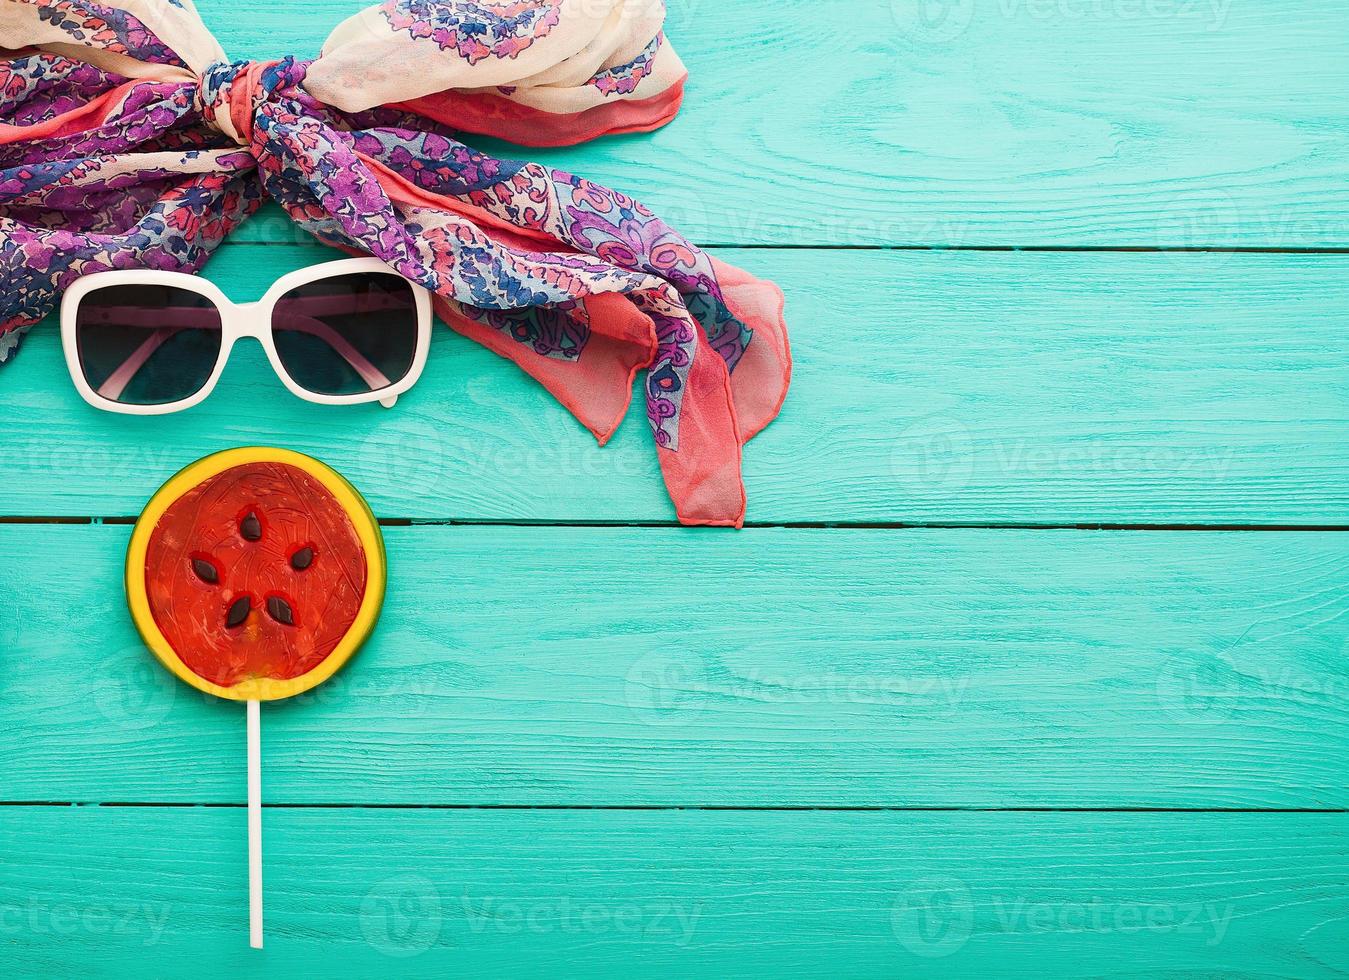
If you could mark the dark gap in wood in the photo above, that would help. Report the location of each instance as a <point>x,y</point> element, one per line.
<point>1030,526</point>
<point>879,525</point>
<point>762,246</point>
<point>763,525</point>
<point>46,520</point>
<point>1163,249</point>
<point>659,807</point>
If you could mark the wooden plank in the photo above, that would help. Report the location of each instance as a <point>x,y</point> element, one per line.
<point>929,387</point>
<point>774,667</point>
<point>985,122</point>
<point>99,891</point>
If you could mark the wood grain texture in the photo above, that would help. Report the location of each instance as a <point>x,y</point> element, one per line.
<point>771,667</point>
<point>947,388</point>
<point>958,669</point>
<point>971,122</point>
<point>97,891</point>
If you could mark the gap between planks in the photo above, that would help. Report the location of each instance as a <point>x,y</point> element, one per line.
<point>639,808</point>
<point>759,525</point>
<point>798,247</point>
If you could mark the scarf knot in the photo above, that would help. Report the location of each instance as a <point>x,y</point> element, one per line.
<point>128,139</point>
<point>230,93</point>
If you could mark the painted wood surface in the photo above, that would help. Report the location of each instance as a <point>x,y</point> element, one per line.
<point>556,666</point>
<point>969,751</point>
<point>1148,123</point>
<point>1034,388</point>
<point>151,891</point>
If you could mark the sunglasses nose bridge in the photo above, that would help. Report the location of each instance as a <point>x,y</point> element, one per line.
<point>245,320</point>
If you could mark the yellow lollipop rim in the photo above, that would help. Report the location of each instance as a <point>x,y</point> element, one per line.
<point>257,688</point>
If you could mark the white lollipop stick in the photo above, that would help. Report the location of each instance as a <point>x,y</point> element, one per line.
<point>254,825</point>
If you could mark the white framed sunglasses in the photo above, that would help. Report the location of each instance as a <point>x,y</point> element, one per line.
<point>146,342</point>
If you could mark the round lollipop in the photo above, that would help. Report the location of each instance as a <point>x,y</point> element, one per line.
<point>254,574</point>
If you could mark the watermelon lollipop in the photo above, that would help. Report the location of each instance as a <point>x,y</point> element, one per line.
<point>254,575</point>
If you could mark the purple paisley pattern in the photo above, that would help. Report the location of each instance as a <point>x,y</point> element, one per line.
<point>315,170</point>
<point>109,28</point>
<point>624,79</point>
<point>475,29</point>
<point>160,169</point>
<point>42,86</point>
<point>434,162</point>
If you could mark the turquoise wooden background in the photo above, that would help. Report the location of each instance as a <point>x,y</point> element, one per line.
<point>1032,660</point>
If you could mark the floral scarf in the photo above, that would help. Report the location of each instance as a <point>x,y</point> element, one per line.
<point>129,140</point>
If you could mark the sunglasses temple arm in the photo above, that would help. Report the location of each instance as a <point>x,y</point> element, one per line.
<point>116,383</point>
<point>320,305</point>
<point>372,375</point>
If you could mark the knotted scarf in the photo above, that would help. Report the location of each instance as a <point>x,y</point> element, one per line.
<point>129,140</point>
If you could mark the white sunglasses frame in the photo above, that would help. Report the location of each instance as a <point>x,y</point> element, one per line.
<point>239,320</point>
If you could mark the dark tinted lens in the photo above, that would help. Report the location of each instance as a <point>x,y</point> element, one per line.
<point>147,345</point>
<point>349,334</point>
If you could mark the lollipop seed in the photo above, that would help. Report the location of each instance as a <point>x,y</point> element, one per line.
<point>250,527</point>
<point>279,609</point>
<point>238,612</point>
<point>302,559</point>
<point>205,571</point>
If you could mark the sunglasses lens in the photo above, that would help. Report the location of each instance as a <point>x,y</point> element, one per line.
<point>347,335</point>
<point>147,344</point>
